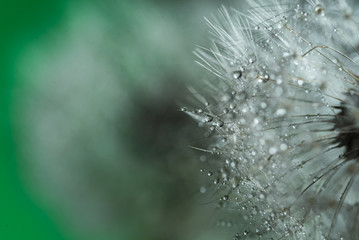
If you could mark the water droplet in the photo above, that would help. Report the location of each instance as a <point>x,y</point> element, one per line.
<point>262,196</point>
<point>208,118</point>
<point>318,9</point>
<point>202,190</point>
<point>210,173</point>
<point>272,150</point>
<point>219,123</point>
<point>237,74</point>
<point>224,198</point>
<point>233,164</point>
<point>280,111</point>
<point>283,147</point>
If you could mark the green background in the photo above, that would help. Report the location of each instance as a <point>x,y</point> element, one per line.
<point>22,22</point>
<point>27,23</point>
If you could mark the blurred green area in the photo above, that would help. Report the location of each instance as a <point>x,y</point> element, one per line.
<point>22,22</point>
<point>93,146</point>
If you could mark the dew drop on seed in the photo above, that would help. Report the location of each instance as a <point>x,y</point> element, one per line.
<point>224,198</point>
<point>318,9</point>
<point>226,98</point>
<point>280,111</point>
<point>262,196</point>
<point>208,118</point>
<point>237,74</point>
<point>219,123</point>
<point>233,164</point>
<point>283,147</point>
<point>286,54</point>
<point>272,150</point>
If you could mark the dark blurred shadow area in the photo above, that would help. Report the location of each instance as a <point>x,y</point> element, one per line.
<point>103,145</point>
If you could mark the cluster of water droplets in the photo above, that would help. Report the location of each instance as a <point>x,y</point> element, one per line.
<point>281,71</point>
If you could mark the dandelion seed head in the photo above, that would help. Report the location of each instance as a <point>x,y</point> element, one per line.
<point>286,97</point>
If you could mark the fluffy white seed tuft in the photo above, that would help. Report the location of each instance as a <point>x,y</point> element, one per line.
<point>282,115</point>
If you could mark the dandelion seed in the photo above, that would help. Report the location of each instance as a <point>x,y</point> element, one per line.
<point>290,161</point>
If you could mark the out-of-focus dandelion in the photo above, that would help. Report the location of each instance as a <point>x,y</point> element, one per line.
<point>282,116</point>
